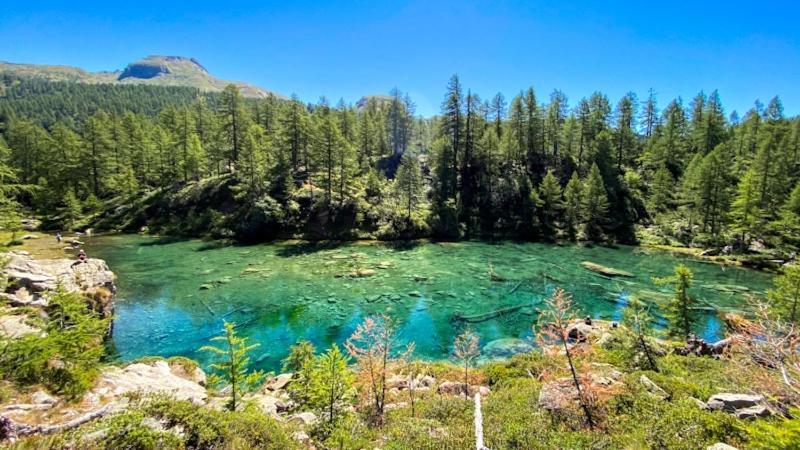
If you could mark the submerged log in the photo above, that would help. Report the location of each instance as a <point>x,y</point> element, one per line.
<point>487,316</point>
<point>607,271</point>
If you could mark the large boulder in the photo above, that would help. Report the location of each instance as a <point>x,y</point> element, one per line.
<point>147,378</point>
<point>730,402</point>
<point>743,406</point>
<point>39,277</point>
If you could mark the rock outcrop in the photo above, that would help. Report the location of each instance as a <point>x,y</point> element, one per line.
<point>158,377</point>
<point>31,281</point>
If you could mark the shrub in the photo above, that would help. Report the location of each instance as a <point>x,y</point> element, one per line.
<point>779,433</point>
<point>66,359</point>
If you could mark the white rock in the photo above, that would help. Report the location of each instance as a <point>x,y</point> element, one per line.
<point>303,418</point>
<point>43,398</point>
<point>151,378</point>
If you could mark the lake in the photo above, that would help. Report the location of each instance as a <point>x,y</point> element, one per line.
<point>174,295</point>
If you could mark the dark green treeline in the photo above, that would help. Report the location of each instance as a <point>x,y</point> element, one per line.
<point>532,168</point>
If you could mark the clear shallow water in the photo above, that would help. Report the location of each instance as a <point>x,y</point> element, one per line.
<point>279,293</point>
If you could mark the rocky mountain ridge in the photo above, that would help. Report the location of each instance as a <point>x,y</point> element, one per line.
<point>158,70</point>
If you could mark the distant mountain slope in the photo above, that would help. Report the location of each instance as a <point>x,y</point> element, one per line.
<point>153,70</point>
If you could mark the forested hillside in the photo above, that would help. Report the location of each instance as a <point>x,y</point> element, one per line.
<point>535,168</point>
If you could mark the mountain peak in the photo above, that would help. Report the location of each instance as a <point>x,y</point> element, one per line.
<point>160,70</point>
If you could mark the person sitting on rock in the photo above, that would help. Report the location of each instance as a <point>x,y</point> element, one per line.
<point>81,258</point>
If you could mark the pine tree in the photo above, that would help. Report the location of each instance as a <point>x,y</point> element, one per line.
<point>234,121</point>
<point>330,383</point>
<point>409,184</point>
<point>573,199</point>
<point>594,204</point>
<point>661,189</point>
<point>785,297</point>
<point>680,312</point>
<point>233,364</point>
<point>550,201</point>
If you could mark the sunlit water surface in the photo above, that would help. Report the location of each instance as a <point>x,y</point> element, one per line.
<point>174,295</point>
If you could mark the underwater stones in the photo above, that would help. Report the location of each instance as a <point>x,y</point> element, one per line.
<point>727,288</point>
<point>384,265</point>
<point>503,348</point>
<point>415,294</point>
<point>361,273</point>
<point>206,286</point>
<point>420,278</point>
<point>607,271</point>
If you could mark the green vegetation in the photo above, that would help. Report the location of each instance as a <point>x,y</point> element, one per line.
<point>532,170</point>
<point>233,364</point>
<point>66,356</point>
<point>680,308</point>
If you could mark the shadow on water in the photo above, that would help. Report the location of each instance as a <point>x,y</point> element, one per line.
<point>308,248</point>
<point>402,246</point>
<point>214,245</point>
<point>163,240</point>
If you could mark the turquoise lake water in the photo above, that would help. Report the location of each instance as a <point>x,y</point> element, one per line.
<point>174,295</point>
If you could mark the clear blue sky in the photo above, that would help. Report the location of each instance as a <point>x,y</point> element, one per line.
<point>746,50</point>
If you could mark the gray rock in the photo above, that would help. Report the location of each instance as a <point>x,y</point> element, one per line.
<point>753,412</point>
<point>653,388</point>
<point>730,402</point>
<point>720,446</point>
<point>303,419</point>
<point>43,398</point>
<point>700,404</point>
<point>279,382</point>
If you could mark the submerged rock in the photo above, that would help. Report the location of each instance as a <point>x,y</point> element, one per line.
<point>503,348</point>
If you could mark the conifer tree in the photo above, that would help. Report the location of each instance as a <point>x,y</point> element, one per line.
<point>785,297</point>
<point>550,201</point>
<point>409,184</point>
<point>594,204</point>
<point>573,201</point>
<point>681,315</point>
<point>233,364</point>
<point>330,383</point>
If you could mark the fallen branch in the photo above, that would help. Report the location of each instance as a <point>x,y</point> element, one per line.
<point>487,316</point>
<point>9,429</point>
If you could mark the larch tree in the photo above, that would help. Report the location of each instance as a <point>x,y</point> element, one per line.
<point>594,204</point>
